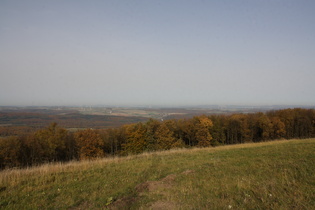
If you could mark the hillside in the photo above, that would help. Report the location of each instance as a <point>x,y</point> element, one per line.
<point>269,175</point>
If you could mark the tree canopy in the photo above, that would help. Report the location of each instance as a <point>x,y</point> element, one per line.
<point>55,143</point>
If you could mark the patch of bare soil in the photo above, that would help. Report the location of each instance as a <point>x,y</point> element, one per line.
<point>156,187</point>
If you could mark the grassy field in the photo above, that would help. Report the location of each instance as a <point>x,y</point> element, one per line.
<point>270,175</point>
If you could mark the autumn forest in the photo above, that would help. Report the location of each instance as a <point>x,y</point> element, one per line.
<point>58,144</point>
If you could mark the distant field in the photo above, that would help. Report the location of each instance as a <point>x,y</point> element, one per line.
<point>270,175</point>
<point>21,120</point>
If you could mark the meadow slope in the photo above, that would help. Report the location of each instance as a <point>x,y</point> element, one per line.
<point>269,175</point>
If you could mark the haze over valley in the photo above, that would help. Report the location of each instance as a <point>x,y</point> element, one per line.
<point>157,53</point>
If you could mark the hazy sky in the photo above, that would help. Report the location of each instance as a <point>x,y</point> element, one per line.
<point>157,52</point>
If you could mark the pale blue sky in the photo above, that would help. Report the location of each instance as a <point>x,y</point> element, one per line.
<point>161,52</point>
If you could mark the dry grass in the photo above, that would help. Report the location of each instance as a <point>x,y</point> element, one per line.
<point>13,175</point>
<point>268,175</point>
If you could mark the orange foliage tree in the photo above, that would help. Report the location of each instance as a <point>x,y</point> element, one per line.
<point>135,139</point>
<point>89,144</point>
<point>202,130</point>
<point>165,138</point>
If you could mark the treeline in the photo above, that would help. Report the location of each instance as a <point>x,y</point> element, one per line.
<point>55,143</point>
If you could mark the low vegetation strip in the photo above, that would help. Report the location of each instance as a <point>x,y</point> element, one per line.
<point>270,175</point>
